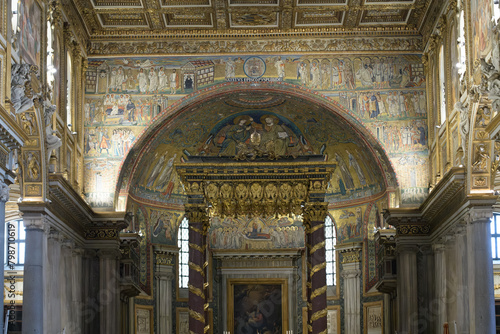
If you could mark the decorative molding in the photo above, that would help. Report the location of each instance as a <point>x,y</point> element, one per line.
<point>179,47</point>
<point>167,259</point>
<point>261,188</point>
<point>413,229</point>
<point>102,234</point>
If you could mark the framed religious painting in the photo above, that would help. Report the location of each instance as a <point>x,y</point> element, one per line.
<point>31,31</point>
<point>257,305</point>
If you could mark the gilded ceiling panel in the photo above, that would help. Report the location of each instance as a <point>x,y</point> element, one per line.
<point>190,3</point>
<point>385,16</point>
<point>221,18</point>
<point>116,3</point>
<point>316,17</point>
<point>117,20</point>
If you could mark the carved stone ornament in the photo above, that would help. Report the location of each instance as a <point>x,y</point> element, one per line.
<point>464,123</point>
<point>481,157</point>
<point>52,141</point>
<point>22,94</point>
<point>4,192</point>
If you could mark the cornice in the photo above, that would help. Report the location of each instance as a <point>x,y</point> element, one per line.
<point>11,133</point>
<point>451,185</point>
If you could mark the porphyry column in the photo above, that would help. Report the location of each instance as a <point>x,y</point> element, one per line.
<point>198,222</point>
<point>315,214</point>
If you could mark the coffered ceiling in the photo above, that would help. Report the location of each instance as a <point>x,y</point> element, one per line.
<point>105,18</point>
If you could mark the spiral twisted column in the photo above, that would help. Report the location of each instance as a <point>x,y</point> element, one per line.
<point>198,224</point>
<point>314,216</point>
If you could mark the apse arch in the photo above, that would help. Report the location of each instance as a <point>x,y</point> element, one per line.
<point>273,97</point>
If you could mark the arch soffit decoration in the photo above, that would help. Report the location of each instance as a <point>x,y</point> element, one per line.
<point>161,124</point>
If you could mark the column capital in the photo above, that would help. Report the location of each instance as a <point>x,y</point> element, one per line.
<point>439,247</point>
<point>404,248</point>
<point>36,224</point>
<point>351,252</point>
<point>479,215</point>
<point>315,211</point>
<point>113,254</point>
<point>196,213</point>
<point>78,251</point>
<point>350,273</point>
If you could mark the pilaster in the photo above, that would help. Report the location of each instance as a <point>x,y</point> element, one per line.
<point>109,294</point>
<point>164,275</point>
<point>351,273</point>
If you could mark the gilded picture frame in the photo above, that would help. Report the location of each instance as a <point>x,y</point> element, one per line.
<point>257,304</point>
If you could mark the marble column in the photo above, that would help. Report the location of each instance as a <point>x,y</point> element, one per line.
<point>462,295</point>
<point>109,292</point>
<point>52,311</point>
<point>480,277</point>
<point>351,273</point>
<point>164,276</point>
<point>198,220</point>
<point>438,305</point>
<point>4,197</point>
<point>407,294</point>
<point>77,289</point>
<point>90,289</point>
<point>315,215</point>
<point>65,274</point>
<point>34,285</point>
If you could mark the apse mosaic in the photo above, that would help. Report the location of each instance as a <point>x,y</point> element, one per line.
<point>253,132</point>
<point>124,95</point>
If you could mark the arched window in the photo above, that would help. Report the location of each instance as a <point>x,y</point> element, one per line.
<point>496,10</point>
<point>183,244</point>
<point>15,18</point>
<point>15,242</point>
<point>461,65</point>
<point>330,242</point>
<point>69,72</point>
<point>495,237</point>
<point>442,86</point>
<point>50,57</point>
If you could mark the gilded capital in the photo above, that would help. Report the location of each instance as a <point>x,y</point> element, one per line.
<point>315,212</point>
<point>196,213</point>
